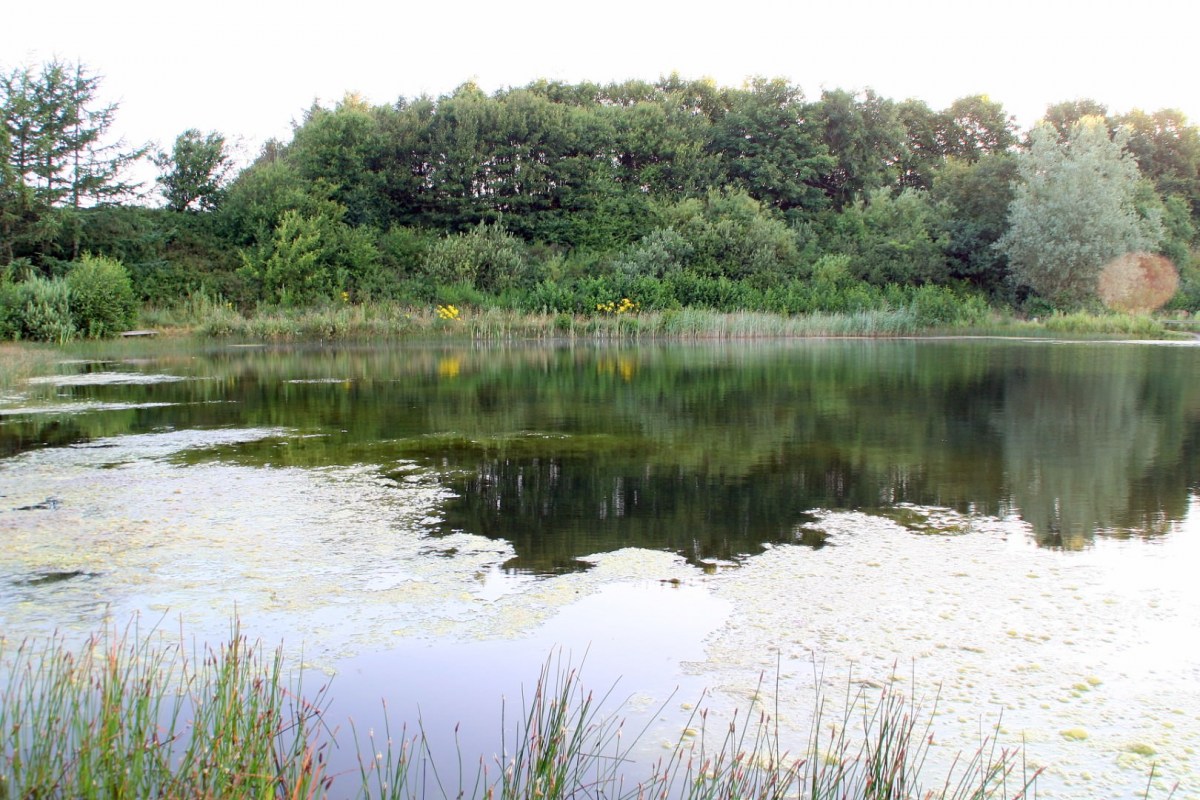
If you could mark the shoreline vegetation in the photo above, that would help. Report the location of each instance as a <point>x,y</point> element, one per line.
<point>639,208</point>
<point>203,319</point>
<point>136,714</point>
<point>395,321</point>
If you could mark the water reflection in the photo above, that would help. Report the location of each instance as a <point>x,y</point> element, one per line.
<point>710,451</point>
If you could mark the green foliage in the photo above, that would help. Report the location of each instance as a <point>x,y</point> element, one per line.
<point>730,235</point>
<point>1179,232</point>
<point>257,200</point>
<point>976,126</point>
<point>896,238</point>
<point>341,148</point>
<point>1167,151</point>
<point>659,253</point>
<point>402,250</point>
<point>767,150</point>
<point>1073,211</point>
<point>940,306</point>
<point>312,258</point>
<point>1063,117</point>
<point>11,311</point>
<point>101,296</point>
<point>194,173</point>
<point>56,158</point>
<point>867,139</point>
<point>487,257</point>
<point>976,198</point>
<point>38,309</point>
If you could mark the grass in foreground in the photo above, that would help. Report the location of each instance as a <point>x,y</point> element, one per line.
<point>134,717</point>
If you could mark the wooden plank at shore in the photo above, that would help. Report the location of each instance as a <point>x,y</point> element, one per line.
<point>139,333</point>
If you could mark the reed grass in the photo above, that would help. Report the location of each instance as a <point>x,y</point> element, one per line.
<point>493,324</point>
<point>128,716</point>
<point>386,320</point>
<point>18,362</point>
<point>133,716</point>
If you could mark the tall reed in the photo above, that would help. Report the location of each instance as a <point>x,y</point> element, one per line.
<point>133,716</point>
<point>123,716</point>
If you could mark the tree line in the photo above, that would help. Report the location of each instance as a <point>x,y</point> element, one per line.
<point>564,197</point>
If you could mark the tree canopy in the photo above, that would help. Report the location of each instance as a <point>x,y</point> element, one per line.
<point>566,196</point>
<point>1074,210</point>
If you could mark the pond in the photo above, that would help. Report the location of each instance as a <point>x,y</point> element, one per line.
<point>1012,525</point>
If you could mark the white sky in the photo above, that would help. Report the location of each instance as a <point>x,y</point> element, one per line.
<point>249,68</point>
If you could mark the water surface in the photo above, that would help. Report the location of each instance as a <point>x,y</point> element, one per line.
<point>1014,521</point>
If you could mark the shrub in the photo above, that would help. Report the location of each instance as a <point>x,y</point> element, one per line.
<point>487,257</point>
<point>42,310</point>
<point>10,311</point>
<point>101,298</point>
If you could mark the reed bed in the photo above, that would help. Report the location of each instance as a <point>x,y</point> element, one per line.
<point>135,716</point>
<point>390,320</point>
<point>18,362</point>
<point>383,321</point>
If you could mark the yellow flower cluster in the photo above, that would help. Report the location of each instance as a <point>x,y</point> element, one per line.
<point>626,306</point>
<point>447,312</point>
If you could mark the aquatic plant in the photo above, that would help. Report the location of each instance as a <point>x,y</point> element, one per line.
<point>129,715</point>
<point>136,716</point>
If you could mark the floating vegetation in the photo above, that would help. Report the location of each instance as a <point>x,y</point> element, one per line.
<point>927,520</point>
<point>75,408</point>
<point>104,379</point>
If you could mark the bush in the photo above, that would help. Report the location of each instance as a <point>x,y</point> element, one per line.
<point>38,309</point>
<point>101,297</point>
<point>487,257</point>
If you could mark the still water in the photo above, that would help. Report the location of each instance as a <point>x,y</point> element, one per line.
<point>1017,523</point>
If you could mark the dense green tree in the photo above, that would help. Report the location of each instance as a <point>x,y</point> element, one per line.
<point>975,126</point>
<point>486,257</point>
<point>341,147</point>
<point>193,175</point>
<point>925,152</point>
<point>1063,116</point>
<point>58,136</point>
<point>312,257</point>
<point>867,139</point>
<point>895,238</point>
<point>1073,210</point>
<point>257,200</point>
<point>101,296</point>
<point>768,148</point>
<point>1167,150</point>
<point>59,157</point>
<point>976,197</point>
<point>732,235</point>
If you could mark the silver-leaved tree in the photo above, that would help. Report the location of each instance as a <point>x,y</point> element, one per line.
<point>1073,210</point>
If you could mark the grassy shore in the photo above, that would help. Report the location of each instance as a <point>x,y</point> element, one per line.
<point>21,361</point>
<point>135,716</point>
<point>383,320</point>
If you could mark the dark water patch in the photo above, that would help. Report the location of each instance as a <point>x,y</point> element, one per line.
<point>49,504</point>
<point>51,578</point>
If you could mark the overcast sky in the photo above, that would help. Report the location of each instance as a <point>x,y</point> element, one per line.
<point>249,68</point>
